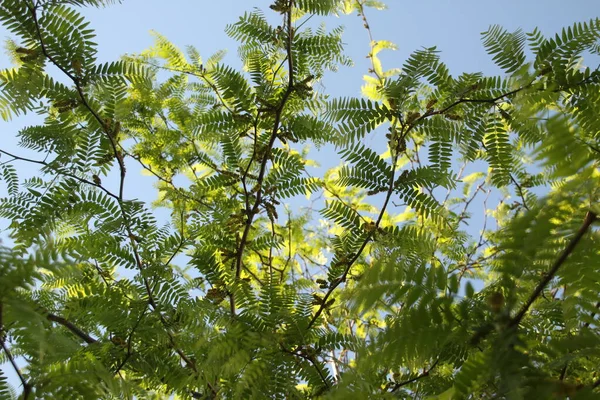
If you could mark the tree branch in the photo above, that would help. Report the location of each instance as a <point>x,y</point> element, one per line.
<point>83,99</point>
<point>310,359</point>
<point>422,375</point>
<point>388,196</point>
<point>122,170</point>
<point>74,329</point>
<point>590,217</point>
<point>263,166</point>
<point>27,387</point>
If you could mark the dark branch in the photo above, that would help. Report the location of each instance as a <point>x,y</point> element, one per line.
<point>310,359</point>
<point>590,217</point>
<point>263,166</point>
<point>422,375</point>
<point>122,170</point>
<point>83,99</point>
<point>74,329</point>
<point>26,385</point>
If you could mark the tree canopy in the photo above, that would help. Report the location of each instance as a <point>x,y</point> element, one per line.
<point>270,280</point>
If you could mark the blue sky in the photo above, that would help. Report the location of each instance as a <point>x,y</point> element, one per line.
<point>454,26</point>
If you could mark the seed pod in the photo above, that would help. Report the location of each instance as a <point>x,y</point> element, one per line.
<point>496,301</point>
<point>431,103</point>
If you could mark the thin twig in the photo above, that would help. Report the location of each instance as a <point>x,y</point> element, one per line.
<point>519,190</point>
<point>372,43</point>
<point>60,172</point>
<point>422,375</point>
<point>168,181</point>
<point>129,339</point>
<point>199,74</point>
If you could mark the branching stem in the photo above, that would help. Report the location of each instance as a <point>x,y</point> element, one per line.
<point>251,213</point>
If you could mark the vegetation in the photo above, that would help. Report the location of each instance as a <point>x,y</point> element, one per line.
<point>382,292</point>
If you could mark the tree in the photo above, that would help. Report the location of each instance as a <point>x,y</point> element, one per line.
<point>384,294</point>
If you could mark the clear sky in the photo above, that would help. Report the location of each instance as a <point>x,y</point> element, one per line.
<point>454,26</point>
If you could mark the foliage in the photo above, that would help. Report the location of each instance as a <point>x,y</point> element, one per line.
<point>247,292</point>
